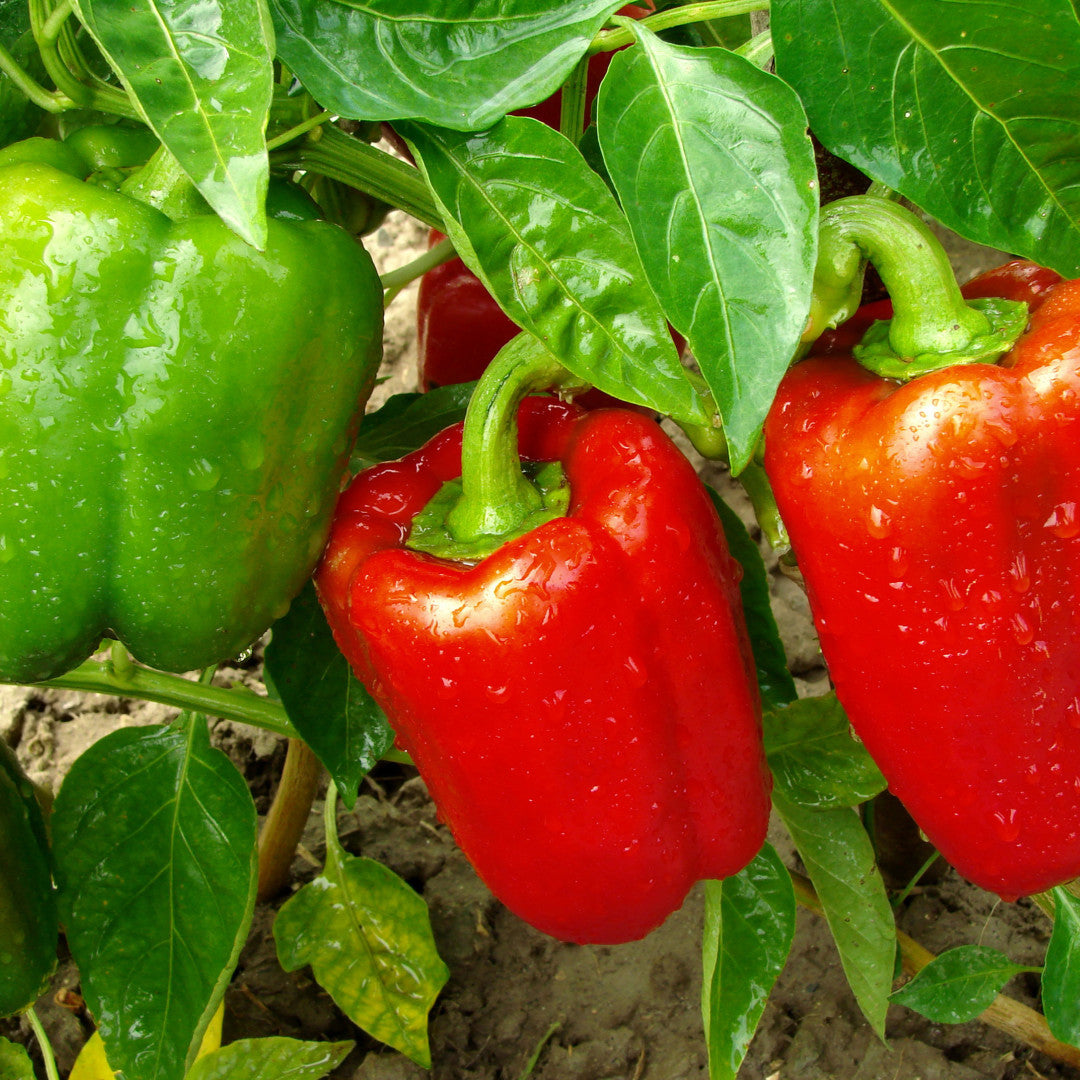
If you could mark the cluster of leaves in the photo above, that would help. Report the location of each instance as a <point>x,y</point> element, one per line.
<point>692,201</point>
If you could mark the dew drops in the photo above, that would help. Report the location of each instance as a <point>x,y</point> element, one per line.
<point>1064,521</point>
<point>899,562</point>
<point>204,475</point>
<point>954,599</point>
<point>878,523</point>
<point>1019,575</point>
<point>1022,630</point>
<point>1007,825</point>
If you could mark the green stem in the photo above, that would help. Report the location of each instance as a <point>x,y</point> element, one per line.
<point>163,184</point>
<point>497,498</point>
<point>608,40</point>
<point>334,850</point>
<point>332,153</point>
<point>572,102</point>
<point>758,489</point>
<point>393,281</point>
<point>50,101</point>
<point>64,62</point>
<point>106,677</point>
<point>758,50</point>
<point>930,314</point>
<point>932,325</point>
<point>297,130</point>
<point>44,1045</point>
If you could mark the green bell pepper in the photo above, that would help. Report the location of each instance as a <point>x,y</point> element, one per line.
<point>176,413</point>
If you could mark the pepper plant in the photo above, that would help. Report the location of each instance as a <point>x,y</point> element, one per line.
<point>554,627</point>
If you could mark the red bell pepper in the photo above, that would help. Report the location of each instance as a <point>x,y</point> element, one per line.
<point>581,701</point>
<point>937,524</point>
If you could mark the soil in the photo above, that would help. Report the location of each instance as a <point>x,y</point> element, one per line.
<point>518,1000</point>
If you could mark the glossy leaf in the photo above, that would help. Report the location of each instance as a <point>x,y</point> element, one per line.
<point>406,422</point>
<point>838,856</point>
<point>15,1062</point>
<point>272,1058</point>
<point>970,109</point>
<point>958,985</point>
<point>154,841</point>
<point>28,922</point>
<point>459,64</point>
<point>749,928</point>
<point>367,936</point>
<point>92,1064</point>
<point>326,703</point>
<point>774,680</point>
<point>1061,975</point>
<point>202,74</point>
<point>545,235</point>
<point>815,759</point>
<point>716,174</point>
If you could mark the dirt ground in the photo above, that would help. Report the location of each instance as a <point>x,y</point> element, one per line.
<point>517,999</point>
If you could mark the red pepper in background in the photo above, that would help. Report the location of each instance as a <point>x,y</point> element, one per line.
<point>937,525</point>
<point>460,327</point>
<point>582,701</point>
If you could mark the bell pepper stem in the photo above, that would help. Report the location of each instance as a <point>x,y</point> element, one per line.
<point>930,314</point>
<point>497,497</point>
<point>572,118</point>
<point>933,326</point>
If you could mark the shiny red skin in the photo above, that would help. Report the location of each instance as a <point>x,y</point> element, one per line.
<point>581,703</point>
<point>937,524</point>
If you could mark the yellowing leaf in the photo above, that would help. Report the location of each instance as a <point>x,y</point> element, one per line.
<point>91,1064</point>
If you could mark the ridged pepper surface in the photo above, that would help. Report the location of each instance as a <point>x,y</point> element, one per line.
<point>937,524</point>
<point>176,411</point>
<point>582,701</point>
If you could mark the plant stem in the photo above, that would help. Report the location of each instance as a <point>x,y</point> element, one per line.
<point>101,677</point>
<point>497,497</point>
<point>572,117</point>
<point>43,1042</point>
<point>1005,1014</point>
<point>284,824</point>
<point>50,101</point>
<point>297,130</point>
<point>334,154</point>
<point>608,40</point>
<point>395,280</point>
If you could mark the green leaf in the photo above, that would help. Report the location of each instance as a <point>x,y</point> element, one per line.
<point>459,64</point>
<point>367,937</point>
<point>154,841</point>
<point>15,1062</point>
<point>713,166</point>
<point>815,760</point>
<point>14,21</point>
<point>971,110</point>
<point>958,985</point>
<point>749,927</point>
<point>28,922</point>
<point>273,1058</point>
<point>202,75</point>
<point>838,856</point>
<point>406,422</point>
<point>326,703</point>
<point>545,235</point>
<point>774,680</point>
<point>1061,974</point>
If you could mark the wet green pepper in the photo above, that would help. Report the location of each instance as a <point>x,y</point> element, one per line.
<point>176,411</point>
